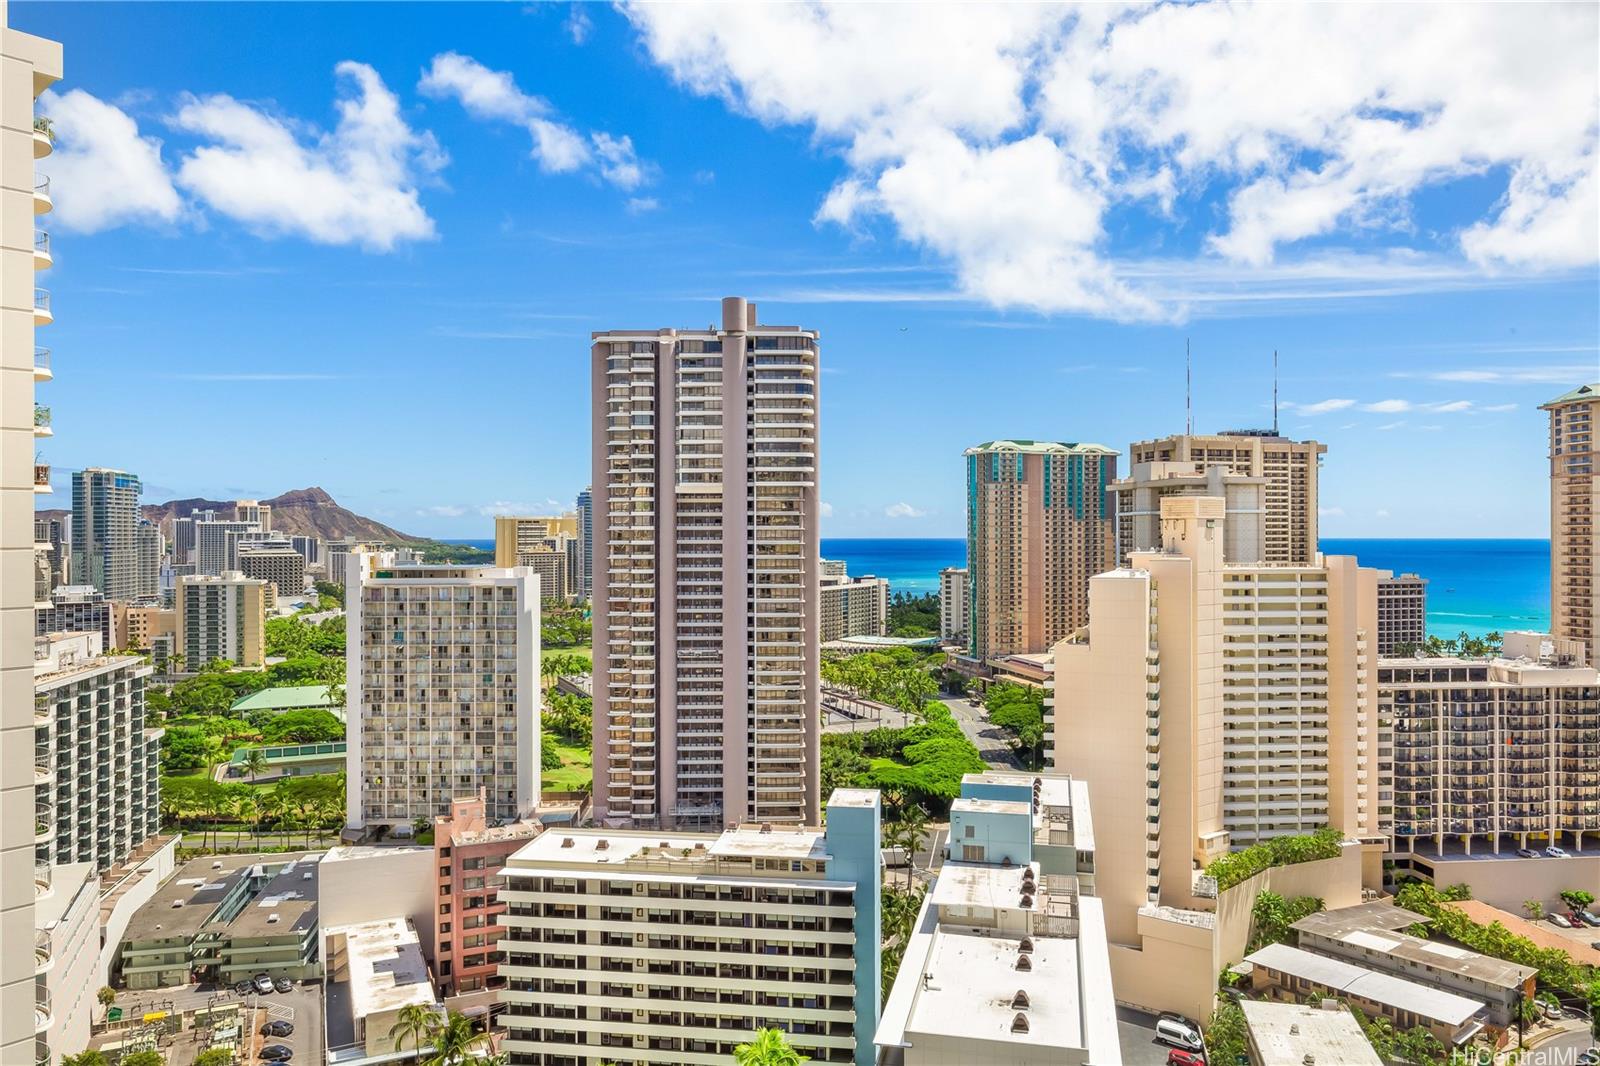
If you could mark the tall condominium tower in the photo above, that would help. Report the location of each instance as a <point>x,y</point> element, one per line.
<point>442,684</point>
<point>1289,471</point>
<point>1402,612</point>
<point>586,544</point>
<point>705,574</point>
<point>1574,528</point>
<point>216,545</point>
<point>105,531</point>
<point>28,66</point>
<point>222,617</point>
<point>253,511</point>
<point>953,603</point>
<point>1038,528</point>
<point>151,548</point>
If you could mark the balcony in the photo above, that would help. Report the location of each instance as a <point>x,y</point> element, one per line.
<point>43,878</point>
<point>42,259</point>
<point>41,196</point>
<point>41,308</point>
<point>41,421</point>
<point>44,137</point>
<point>43,953</point>
<point>41,477</point>
<point>41,1008</point>
<point>43,823</point>
<point>41,364</point>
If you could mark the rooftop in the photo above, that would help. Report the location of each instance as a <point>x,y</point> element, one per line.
<point>972,986</point>
<point>285,904</point>
<point>689,850</point>
<point>1376,931</point>
<point>1336,975</point>
<point>1577,395</point>
<point>1041,447</point>
<point>386,970</point>
<point>181,907</point>
<point>1292,1034</point>
<point>971,884</point>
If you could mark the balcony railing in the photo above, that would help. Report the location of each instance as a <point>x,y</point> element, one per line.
<point>41,364</point>
<point>41,420</point>
<point>43,877</point>
<point>42,950</point>
<point>44,137</point>
<point>41,250</point>
<point>41,1008</point>
<point>41,307</point>
<point>43,822</point>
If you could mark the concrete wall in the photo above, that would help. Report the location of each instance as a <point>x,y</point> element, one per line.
<point>1506,882</point>
<point>372,883</point>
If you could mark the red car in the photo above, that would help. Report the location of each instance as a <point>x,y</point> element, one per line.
<point>1179,1057</point>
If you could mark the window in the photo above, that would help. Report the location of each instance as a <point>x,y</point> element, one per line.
<point>969,831</point>
<point>444,890</point>
<point>444,927</point>
<point>444,908</point>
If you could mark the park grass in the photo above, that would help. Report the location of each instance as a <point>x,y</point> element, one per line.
<point>576,773</point>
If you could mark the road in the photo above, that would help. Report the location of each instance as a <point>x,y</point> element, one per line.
<point>1560,1050</point>
<point>988,739</point>
<point>1136,1033</point>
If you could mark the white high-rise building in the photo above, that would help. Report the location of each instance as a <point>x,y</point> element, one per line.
<point>953,604</point>
<point>443,689</point>
<point>705,574</point>
<point>216,545</point>
<point>152,548</point>
<point>853,607</point>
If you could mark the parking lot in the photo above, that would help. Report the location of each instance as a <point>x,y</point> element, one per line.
<point>301,1006</point>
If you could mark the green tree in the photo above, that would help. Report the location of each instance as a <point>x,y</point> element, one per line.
<point>768,1047</point>
<point>905,833</point>
<point>143,1058</point>
<point>1271,916</point>
<point>899,914</point>
<point>1225,1033</point>
<point>304,726</point>
<point>416,1023</point>
<point>1533,908</point>
<point>215,1056</point>
<point>1577,898</point>
<point>455,1041</point>
<point>86,1058</point>
<point>255,763</point>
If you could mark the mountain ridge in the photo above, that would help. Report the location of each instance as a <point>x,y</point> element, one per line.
<point>307,512</point>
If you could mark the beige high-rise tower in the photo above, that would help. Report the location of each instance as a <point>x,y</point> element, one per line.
<point>706,599</point>
<point>28,66</point>
<point>1287,500</point>
<point>1574,533</point>
<point>1038,528</point>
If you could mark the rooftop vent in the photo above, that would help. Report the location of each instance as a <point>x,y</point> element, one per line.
<point>272,919</point>
<point>602,844</point>
<point>177,903</point>
<point>1310,1059</point>
<point>1025,946</point>
<point>306,876</point>
<point>1020,1000</point>
<point>1024,963</point>
<point>1027,901</point>
<point>1019,1024</point>
<point>566,842</point>
<point>1294,1029</point>
<point>700,846</point>
<point>1006,862</point>
<point>766,827</point>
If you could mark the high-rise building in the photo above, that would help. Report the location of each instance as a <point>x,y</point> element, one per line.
<point>706,593</point>
<point>853,607</point>
<point>1008,962</point>
<point>78,609</point>
<point>586,544</point>
<point>310,548</point>
<point>1038,528</point>
<point>517,535</point>
<point>184,535</point>
<point>223,617</point>
<point>105,531</point>
<point>253,511</point>
<point>953,604</point>
<point>1139,497</point>
<point>1288,468</point>
<point>152,548</point>
<point>1495,754</point>
<point>635,947</point>
<point>442,680</point>
<point>51,535</point>
<point>276,561</point>
<point>1574,506</point>
<point>97,766</point>
<point>28,66</point>
<point>1402,612</point>
<point>1212,706</point>
<point>216,545</point>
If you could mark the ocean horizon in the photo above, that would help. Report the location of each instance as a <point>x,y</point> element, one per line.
<point>1477,585</point>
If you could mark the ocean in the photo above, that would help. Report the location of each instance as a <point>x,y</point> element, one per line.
<point>1476,585</point>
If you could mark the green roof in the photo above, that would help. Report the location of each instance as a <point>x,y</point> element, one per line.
<point>1040,446</point>
<point>292,697</point>
<point>1582,392</point>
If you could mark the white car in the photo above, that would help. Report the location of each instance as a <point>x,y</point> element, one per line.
<point>1179,1034</point>
<point>1559,920</point>
<point>1556,853</point>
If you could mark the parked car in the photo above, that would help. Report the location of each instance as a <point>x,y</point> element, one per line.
<point>1179,1034</point>
<point>1590,1057</point>
<point>264,985</point>
<point>1552,1010</point>
<point>276,1053</point>
<point>1179,1057</point>
<point>1558,919</point>
<point>1556,853</point>
<point>243,988</point>
<point>283,984</point>
<point>1527,853</point>
<point>278,1027</point>
<point>1589,918</point>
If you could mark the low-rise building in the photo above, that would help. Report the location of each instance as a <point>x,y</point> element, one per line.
<point>854,607</point>
<point>1371,935</point>
<point>1297,1034</point>
<point>657,946</point>
<point>1402,613</point>
<point>1292,973</point>
<point>1008,960</point>
<point>287,698</point>
<point>375,971</point>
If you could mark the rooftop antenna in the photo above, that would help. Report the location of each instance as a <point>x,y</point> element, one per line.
<point>1188,391</point>
<point>1274,392</point>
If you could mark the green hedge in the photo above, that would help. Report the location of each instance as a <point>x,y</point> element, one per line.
<point>1240,866</point>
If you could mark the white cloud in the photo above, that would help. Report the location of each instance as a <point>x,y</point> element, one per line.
<point>1387,407</point>
<point>443,510</point>
<point>1560,374</point>
<point>640,205</point>
<point>1387,426</point>
<point>1380,513</point>
<point>825,509</point>
<point>903,510</point>
<point>354,185</point>
<point>1330,512</point>
<point>1321,407</point>
<point>578,24</point>
<point>1497,408</point>
<point>492,95</point>
<point>103,172</point>
<point>1310,121</point>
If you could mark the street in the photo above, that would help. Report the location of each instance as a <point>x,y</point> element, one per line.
<point>989,740</point>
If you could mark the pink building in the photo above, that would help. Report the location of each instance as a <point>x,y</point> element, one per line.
<point>469,853</point>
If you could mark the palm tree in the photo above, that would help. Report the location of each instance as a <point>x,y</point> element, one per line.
<point>418,1021</point>
<point>255,761</point>
<point>455,1040</point>
<point>770,1047</point>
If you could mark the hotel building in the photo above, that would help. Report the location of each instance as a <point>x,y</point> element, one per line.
<point>1038,528</point>
<point>28,66</point>
<point>643,947</point>
<point>853,607</point>
<point>586,544</point>
<point>1139,497</point>
<point>1288,469</point>
<point>150,549</point>
<point>51,536</point>
<point>442,681</point>
<point>276,562</point>
<point>253,511</point>
<point>79,609</point>
<point>706,599</point>
<point>1492,755</point>
<point>1402,612</point>
<point>1008,960</point>
<point>222,617</point>
<point>1574,505</point>
<point>953,604</point>
<point>105,531</point>
<point>216,545</point>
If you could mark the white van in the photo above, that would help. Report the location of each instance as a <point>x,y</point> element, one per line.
<point>1178,1034</point>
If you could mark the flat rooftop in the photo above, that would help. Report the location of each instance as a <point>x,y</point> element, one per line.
<point>385,966</point>
<point>972,985</point>
<point>1291,1034</point>
<point>182,906</point>
<point>970,884</point>
<point>350,852</point>
<point>286,904</point>
<point>1340,976</point>
<point>1387,939</point>
<point>619,847</point>
<point>992,806</point>
<point>1376,915</point>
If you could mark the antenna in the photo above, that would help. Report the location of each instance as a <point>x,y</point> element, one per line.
<point>1274,392</point>
<point>1188,391</point>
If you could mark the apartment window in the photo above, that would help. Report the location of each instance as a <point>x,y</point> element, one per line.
<point>444,908</point>
<point>444,871</point>
<point>444,927</point>
<point>444,946</point>
<point>444,890</point>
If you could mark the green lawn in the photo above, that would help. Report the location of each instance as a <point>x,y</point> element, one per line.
<point>576,773</point>
<point>584,651</point>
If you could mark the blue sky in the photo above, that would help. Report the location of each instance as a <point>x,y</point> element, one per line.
<point>253,294</point>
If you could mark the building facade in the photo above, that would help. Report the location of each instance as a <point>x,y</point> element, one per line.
<point>1139,496</point>
<point>253,511</point>
<point>276,562</point>
<point>105,531</point>
<point>442,683</point>
<point>586,543</point>
<point>222,617</point>
<point>152,549</point>
<point>1574,503</point>
<point>51,534</point>
<point>1402,613</point>
<point>635,947</point>
<point>215,550</point>
<point>468,853</point>
<point>1038,528</point>
<point>97,767</point>
<point>854,607</point>
<point>1493,755</point>
<point>1289,470</point>
<point>705,568</point>
<point>953,615</point>
<point>79,609</point>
